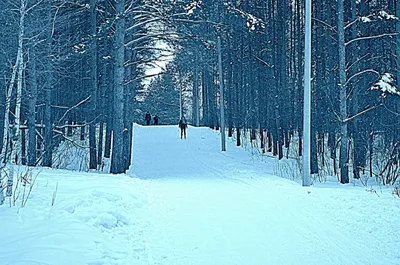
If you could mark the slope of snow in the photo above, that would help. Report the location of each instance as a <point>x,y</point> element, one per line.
<point>186,202</point>
<point>97,219</point>
<point>211,207</point>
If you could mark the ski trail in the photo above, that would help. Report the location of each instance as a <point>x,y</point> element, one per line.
<point>208,208</point>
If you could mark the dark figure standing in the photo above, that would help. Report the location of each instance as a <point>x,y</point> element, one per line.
<point>155,119</point>
<point>147,118</point>
<point>183,126</point>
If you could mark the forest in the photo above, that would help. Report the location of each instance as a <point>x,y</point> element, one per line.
<point>88,69</point>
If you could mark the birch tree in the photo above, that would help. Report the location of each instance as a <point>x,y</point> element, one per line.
<point>16,74</point>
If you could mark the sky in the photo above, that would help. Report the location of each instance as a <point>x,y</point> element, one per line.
<point>183,201</point>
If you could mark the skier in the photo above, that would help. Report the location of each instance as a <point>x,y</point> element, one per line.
<point>147,118</point>
<point>183,126</point>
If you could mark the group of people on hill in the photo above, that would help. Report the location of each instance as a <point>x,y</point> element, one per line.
<point>182,123</point>
<point>147,118</point>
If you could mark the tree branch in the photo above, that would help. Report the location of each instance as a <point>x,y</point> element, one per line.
<point>360,73</point>
<point>141,77</point>
<point>354,63</point>
<point>356,20</point>
<point>362,112</point>
<point>264,62</point>
<point>73,107</point>
<point>371,37</point>
<point>325,24</point>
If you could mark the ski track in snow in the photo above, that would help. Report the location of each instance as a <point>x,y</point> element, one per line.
<point>206,207</point>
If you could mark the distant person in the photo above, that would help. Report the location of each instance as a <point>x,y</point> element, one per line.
<point>156,119</point>
<point>183,126</point>
<point>147,118</point>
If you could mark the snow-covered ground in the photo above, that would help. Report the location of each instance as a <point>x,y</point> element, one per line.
<point>184,202</point>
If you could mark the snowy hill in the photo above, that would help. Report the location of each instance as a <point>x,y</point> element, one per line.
<point>184,202</point>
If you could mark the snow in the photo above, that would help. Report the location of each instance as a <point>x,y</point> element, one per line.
<point>186,202</point>
<point>365,19</point>
<point>386,85</point>
<point>384,15</point>
<point>191,7</point>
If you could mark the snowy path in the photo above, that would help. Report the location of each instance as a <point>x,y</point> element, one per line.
<point>184,202</point>
<point>209,207</point>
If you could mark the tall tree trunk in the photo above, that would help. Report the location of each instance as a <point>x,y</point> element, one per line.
<point>32,98</point>
<point>307,132</point>
<point>10,88</point>
<point>16,157</point>
<point>398,44</point>
<point>109,123</point>
<point>229,88</point>
<point>48,132</point>
<point>344,155</point>
<point>102,98</point>
<point>130,97</point>
<point>110,110</point>
<point>93,84</point>
<point>360,145</point>
<point>18,68</point>
<point>221,97</point>
<point>2,113</point>
<point>23,147</point>
<point>117,159</point>
<point>128,102</point>
<point>196,105</point>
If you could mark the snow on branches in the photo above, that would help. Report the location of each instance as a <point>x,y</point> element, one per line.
<point>79,48</point>
<point>365,19</point>
<point>252,22</point>
<point>191,7</point>
<point>386,85</point>
<point>381,15</point>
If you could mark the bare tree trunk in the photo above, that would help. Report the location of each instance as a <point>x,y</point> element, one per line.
<point>343,159</point>
<point>307,132</point>
<point>100,143</point>
<point>105,78</point>
<point>16,157</point>
<point>221,97</point>
<point>32,98</point>
<point>117,157</point>
<point>23,147</point>
<point>10,89</point>
<point>398,43</point>
<point>17,67</point>
<point>93,81</point>
<point>196,109</point>
<point>108,140</point>
<point>48,130</point>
